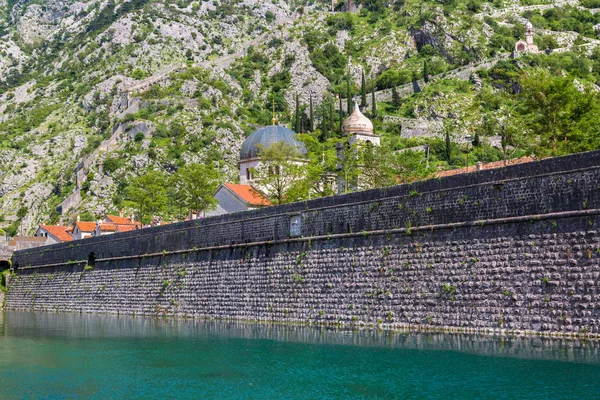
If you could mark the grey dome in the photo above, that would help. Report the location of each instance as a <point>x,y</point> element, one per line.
<point>267,136</point>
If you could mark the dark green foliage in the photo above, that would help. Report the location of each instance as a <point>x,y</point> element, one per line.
<point>111,164</point>
<point>546,42</point>
<point>269,16</point>
<point>565,19</point>
<point>395,98</point>
<point>311,114</point>
<point>329,62</point>
<point>339,22</point>
<point>373,104</point>
<point>297,116</point>
<point>392,77</point>
<point>363,91</point>
<point>448,146</point>
<point>349,96</point>
<point>590,3</point>
<point>341,112</point>
<point>108,15</point>
<point>280,81</point>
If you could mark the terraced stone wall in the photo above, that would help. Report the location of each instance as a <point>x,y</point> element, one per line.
<point>515,249</point>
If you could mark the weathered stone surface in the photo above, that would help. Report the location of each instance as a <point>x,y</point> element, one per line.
<point>414,255</point>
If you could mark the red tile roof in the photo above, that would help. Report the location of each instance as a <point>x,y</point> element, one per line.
<point>492,165</point>
<point>60,232</point>
<point>115,219</point>
<point>248,194</point>
<point>85,226</point>
<point>106,227</point>
<point>125,228</point>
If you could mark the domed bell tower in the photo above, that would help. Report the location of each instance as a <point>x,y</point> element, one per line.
<point>358,131</point>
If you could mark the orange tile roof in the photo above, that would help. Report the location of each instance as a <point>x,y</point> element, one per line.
<point>60,232</point>
<point>125,228</point>
<point>106,227</point>
<point>248,194</point>
<point>118,220</point>
<point>85,226</point>
<point>492,165</point>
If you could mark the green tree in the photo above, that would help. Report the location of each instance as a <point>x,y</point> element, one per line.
<point>341,112</point>
<point>281,173</point>
<point>311,114</point>
<point>297,119</point>
<point>331,113</point>
<point>373,104</point>
<point>363,91</point>
<point>448,144</point>
<point>395,98</point>
<point>349,97</point>
<point>147,195</point>
<point>194,186</point>
<point>425,71</point>
<point>551,104</point>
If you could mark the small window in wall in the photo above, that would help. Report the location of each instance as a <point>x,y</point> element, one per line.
<point>92,260</point>
<point>248,174</point>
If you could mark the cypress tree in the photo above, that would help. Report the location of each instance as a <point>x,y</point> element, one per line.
<point>363,91</point>
<point>373,103</point>
<point>331,127</point>
<point>448,150</point>
<point>324,122</point>
<point>349,97</point>
<point>425,72</point>
<point>341,111</point>
<point>311,122</point>
<point>297,122</point>
<point>395,98</point>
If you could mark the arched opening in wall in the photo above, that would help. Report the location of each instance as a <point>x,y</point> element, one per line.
<point>520,47</point>
<point>92,260</point>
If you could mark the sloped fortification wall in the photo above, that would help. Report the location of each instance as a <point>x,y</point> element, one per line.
<point>515,248</point>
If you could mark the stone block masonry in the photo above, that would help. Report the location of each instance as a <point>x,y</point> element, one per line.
<point>513,249</point>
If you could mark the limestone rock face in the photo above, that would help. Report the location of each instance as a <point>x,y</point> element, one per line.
<point>195,78</point>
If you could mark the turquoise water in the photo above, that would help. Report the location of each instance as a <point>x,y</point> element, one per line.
<point>54,356</point>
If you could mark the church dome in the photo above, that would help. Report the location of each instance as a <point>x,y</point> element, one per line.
<point>357,123</point>
<point>266,137</point>
<point>529,25</point>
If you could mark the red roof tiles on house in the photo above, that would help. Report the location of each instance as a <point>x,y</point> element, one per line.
<point>60,232</point>
<point>85,226</point>
<point>248,194</point>
<point>125,228</point>
<point>106,227</point>
<point>117,220</point>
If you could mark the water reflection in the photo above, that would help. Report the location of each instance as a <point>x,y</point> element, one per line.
<point>87,326</point>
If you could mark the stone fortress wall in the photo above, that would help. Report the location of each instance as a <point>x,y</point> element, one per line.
<point>512,249</point>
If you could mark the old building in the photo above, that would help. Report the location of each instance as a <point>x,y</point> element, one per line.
<point>358,132</point>
<point>527,45</point>
<point>262,139</point>
<point>83,229</point>
<point>248,194</point>
<point>233,197</point>
<point>54,233</point>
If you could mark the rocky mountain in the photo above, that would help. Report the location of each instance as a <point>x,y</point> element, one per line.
<point>93,93</point>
